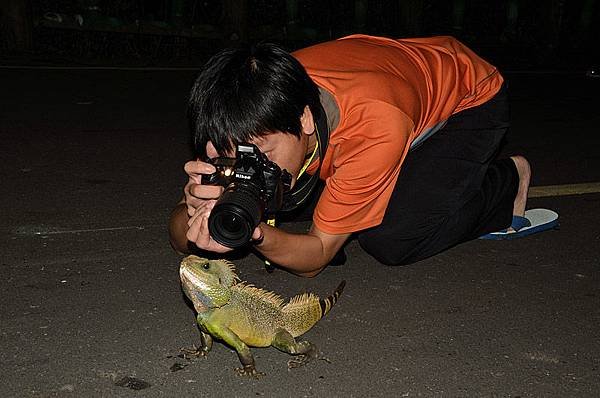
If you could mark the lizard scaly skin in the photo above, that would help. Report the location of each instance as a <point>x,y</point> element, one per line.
<point>244,316</point>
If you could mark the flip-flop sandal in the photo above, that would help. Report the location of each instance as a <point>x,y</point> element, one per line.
<point>534,221</point>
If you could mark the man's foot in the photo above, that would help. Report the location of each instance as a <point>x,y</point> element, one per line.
<point>524,222</point>
<point>524,171</point>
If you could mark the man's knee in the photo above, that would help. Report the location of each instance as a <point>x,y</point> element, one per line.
<point>398,252</point>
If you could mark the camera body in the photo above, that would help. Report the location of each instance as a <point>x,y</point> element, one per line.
<point>254,187</point>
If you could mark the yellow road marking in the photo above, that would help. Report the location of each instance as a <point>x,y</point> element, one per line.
<point>564,190</point>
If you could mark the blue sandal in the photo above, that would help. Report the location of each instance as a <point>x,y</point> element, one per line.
<point>534,221</point>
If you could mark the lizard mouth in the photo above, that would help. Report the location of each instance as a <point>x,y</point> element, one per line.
<point>190,276</point>
<point>192,286</point>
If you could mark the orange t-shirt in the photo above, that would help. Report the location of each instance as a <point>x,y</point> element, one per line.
<point>388,93</point>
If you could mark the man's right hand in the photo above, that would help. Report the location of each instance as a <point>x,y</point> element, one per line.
<point>199,197</point>
<point>199,201</point>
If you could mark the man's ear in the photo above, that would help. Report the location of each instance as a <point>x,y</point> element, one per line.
<point>307,121</point>
<point>211,151</point>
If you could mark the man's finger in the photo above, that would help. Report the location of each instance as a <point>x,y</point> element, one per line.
<point>205,192</point>
<point>192,232</point>
<point>196,168</point>
<point>258,234</point>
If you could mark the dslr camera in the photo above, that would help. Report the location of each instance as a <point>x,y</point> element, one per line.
<point>254,188</point>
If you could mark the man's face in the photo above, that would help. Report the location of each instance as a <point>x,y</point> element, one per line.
<point>286,150</point>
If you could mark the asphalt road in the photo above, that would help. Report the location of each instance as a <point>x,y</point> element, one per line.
<point>90,301</point>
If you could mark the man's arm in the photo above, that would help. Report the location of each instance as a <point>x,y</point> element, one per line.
<point>178,228</point>
<point>303,254</point>
<point>198,200</point>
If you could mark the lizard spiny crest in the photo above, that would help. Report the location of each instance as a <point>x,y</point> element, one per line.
<point>260,294</point>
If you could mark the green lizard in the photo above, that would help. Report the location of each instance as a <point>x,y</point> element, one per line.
<point>242,315</point>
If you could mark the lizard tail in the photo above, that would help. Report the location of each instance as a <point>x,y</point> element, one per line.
<point>303,311</point>
<point>328,302</point>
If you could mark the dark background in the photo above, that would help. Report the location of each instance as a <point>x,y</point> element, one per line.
<point>549,34</point>
<point>90,299</point>
<point>92,164</point>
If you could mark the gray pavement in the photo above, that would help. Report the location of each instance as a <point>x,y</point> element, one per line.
<point>90,303</point>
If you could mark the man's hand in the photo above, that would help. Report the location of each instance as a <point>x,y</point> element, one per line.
<point>197,195</point>
<point>200,200</point>
<point>198,231</point>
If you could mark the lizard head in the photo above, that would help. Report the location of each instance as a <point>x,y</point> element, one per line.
<point>207,283</point>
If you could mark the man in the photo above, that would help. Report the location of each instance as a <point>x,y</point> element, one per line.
<point>410,169</point>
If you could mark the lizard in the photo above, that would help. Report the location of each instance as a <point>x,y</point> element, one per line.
<point>242,315</point>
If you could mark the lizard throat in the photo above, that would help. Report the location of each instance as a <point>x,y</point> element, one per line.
<point>195,289</point>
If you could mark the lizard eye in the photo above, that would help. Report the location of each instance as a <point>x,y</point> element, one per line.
<point>206,265</point>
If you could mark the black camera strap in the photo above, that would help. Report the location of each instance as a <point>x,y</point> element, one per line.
<point>306,183</point>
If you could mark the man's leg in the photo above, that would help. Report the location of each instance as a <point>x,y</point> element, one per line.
<point>524,171</point>
<point>451,190</point>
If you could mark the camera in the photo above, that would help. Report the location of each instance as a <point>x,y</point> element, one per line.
<point>254,188</point>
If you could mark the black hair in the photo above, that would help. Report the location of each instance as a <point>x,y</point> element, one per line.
<point>248,92</point>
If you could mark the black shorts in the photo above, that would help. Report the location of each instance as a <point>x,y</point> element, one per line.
<point>450,189</point>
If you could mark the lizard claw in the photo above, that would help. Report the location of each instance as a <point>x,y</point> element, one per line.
<point>303,359</point>
<point>298,360</point>
<point>322,357</point>
<point>195,352</point>
<point>249,370</point>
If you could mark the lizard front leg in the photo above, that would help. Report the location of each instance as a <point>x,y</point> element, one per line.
<point>206,343</point>
<point>303,351</point>
<point>244,354</point>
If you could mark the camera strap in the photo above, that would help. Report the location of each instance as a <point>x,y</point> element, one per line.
<point>306,182</point>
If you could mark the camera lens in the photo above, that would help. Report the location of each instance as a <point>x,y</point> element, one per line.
<point>229,229</point>
<point>231,224</point>
<point>235,215</point>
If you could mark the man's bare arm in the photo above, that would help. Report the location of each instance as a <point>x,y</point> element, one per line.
<point>303,254</point>
<point>178,228</point>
